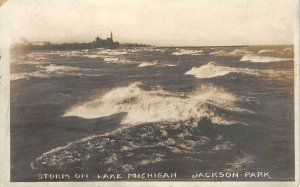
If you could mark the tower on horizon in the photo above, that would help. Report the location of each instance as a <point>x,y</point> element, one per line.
<point>111,36</point>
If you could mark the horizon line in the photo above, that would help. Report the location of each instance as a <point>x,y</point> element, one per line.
<point>239,45</point>
<point>173,46</point>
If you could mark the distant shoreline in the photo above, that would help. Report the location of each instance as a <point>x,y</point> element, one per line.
<point>223,46</point>
<point>83,46</point>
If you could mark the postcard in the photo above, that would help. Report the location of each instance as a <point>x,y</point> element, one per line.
<point>149,93</point>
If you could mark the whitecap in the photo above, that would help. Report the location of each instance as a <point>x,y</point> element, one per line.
<point>72,53</point>
<point>49,71</point>
<point>92,56</point>
<point>118,60</point>
<point>263,59</point>
<point>219,53</point>
<point>240,163</point>
<point>226,145</point>
<point>169,65</point>
<point>127,149</point>
<point>211,70</point>
<point>111,52</point>
<point>35,62</point>
<point>18,76</point>
<point>239,52</point>
<point>55,68</point>
<point>144,64</point>
<point>288,49</point>
<point>236,52</point>
<point>112,59</point>
<point>188,52</point>
<point>266,51</point>
<point>158,105</point>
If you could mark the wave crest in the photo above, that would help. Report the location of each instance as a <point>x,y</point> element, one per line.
<point>236,52</point>
<point>212,69</point>
<point>188,52</point>
<point>263,59</point>
<point>144,64</point>
<point>148,146</point>
<point>158,105</point>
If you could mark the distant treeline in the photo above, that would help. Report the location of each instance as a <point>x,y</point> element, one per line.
<point>134,45</point>
<point>63,46</point>
<point>98,43</point>
<point>66,46</point>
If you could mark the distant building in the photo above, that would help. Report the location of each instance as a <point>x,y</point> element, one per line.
<point>97,43</point>
<point>109,42</point>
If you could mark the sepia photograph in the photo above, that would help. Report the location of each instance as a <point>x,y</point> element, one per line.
<point>150,91</point>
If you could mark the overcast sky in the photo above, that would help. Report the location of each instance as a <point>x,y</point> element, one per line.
<point>155,22</point>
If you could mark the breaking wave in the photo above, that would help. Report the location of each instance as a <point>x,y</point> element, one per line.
<point>50,70</point>
<point>56,69</point>
<point>158,105</point>
<point>14,77</point>
<point>36,62</point>
<point>211,70</point>
<point>188,52</point>
<point>112,52</point>
<point>288,49</point>
<point>266,51</point>
<point>144,64</point>
<point>237,52</point>
<point>219,53</point>
<point>156,63</point>
<point>263,59</point>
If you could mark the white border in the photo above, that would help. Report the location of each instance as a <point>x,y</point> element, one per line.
<point>5,12</point>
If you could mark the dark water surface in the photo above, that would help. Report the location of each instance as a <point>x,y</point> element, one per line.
<point>183,110</point>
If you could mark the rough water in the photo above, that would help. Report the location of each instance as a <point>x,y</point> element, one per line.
<point>137,110</point>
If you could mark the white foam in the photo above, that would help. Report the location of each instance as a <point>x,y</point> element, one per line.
<point>36,62</point>
<point>118,60</point>
<point>160,50</point>
<point>288,49</point>
<point>148,161</point>
<point>211,70</point>
<point>263,59</point>
<point>157,105</point>
<point>92,56</point>
<point>169,65</point>
<point>236,52</point>
<point>112,59</point>
<point>266,51</point>
<point>155,63</point>
<point>144,64</point>
<point>239,164</point>
<point>41,74</point>
<point>55,68</point>
<point>41,58</point>
<point>48,71</point>
<point>239,52</point>
<point>112,52</point>
<point>150,49</point>
<point>71,53</point>
<point>188,52</point>
<point>219,53</point>
<point>18,76</point>
<point>226,145</point>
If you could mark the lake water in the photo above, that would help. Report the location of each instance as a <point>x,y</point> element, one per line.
<point>183,110</point>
